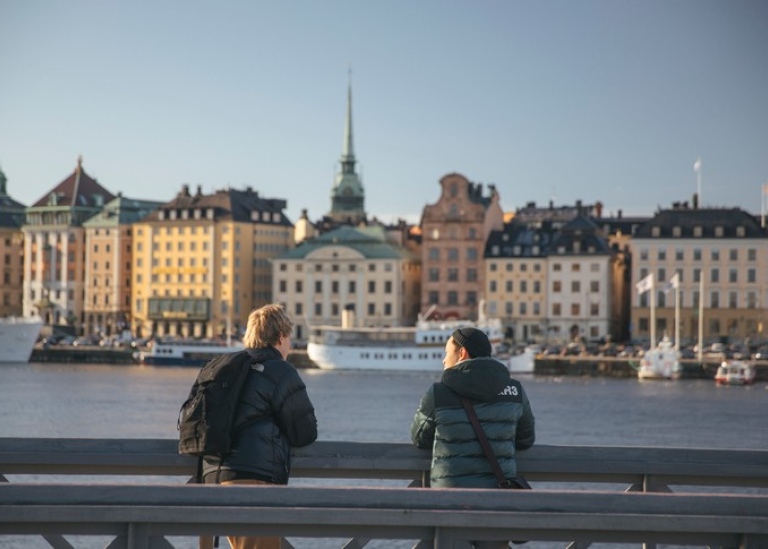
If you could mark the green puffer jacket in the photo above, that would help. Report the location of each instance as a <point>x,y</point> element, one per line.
<point>441,423</point>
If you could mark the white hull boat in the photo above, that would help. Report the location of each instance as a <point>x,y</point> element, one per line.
<point>735,372</point>
<point>522,361</point>
<point>661,362</point>
<point>18,336</point>
<point>416,348</point>
<point>185,353</point>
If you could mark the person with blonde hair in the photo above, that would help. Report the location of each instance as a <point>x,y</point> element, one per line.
<point>273,414</point>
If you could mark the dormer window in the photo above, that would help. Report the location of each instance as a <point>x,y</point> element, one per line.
<point>655,231</point>
<point>535,250</point>
<point>276,217</point>
<point>254,215</point>
<point>173,214</point>
<point>697,231</point>
<point>561,249</point>
<point>161,215</point>
<point>740,230</point>
<point>576,246</point>
<point>209,213</point>
<point>495,250</point>
<point>676,231</point>
<point>719,231</point>
<point>185,214</point>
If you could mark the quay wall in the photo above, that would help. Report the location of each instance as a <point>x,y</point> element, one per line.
<point>589,366</point>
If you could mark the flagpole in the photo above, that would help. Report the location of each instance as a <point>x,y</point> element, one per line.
<point>697,169</point>
<point>701,316</point>
<point>677,316</point>
<point>653,314</point>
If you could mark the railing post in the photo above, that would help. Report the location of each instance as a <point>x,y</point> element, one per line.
<point>138,536</point>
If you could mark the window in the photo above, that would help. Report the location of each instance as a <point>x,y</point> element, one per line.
<point>575,309</point>
<point>556,309</point>
<point>556,286</point>
<point>434,253</point>
<point>318,286</point>
<point>471,254</point>
<point>662,254</point>
<point>714,300</point>
<point>715,254</point>
<point>352,287</point>
<point>714,275</point>
<point>388,287</point>
<point>697,254</point>
<point>509,286</point>
<point>371,286</point>
<point>523,308</point>
<point>472,275</point>
<point>283,285</point>
<point>733,275</point>
<point>697,275</point>
<point>318,309</point>
<point>434,274</point>
<point>751,254</point>
<point>733,300</point>
<point>523,286</point>
<point>371,309</point>
<point>575,267</point>
<point>751,275</point>
<point>453,275</point>
<point>536,287</point>
<point>433,298</point>
<point>679,254</point>
<point>594,286</point>
<point>492,286</point>
<point>733,254</point>
<point>556,267</point>
<point>575,286</point>
<point>453,298</point>
<point>471,298</point>
<point>453,254</point>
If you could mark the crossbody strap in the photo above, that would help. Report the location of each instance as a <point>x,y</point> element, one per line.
<point>487,450</point>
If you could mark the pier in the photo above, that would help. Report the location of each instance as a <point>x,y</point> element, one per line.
<point>717,498</point>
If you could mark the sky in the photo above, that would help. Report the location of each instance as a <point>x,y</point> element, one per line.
<point>552,100</point>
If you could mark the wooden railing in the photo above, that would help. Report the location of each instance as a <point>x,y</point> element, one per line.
<point>141,516</point>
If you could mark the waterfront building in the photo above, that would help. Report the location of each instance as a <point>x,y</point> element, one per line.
<point>724,252</point>
<point>580,274</point>
<point>516,278</point>
<point>454,231</point>
<point>54,249</point>
<point>201,262</point>
<point>356,269</point>
<point>108,264</point>
<point>11,252</point>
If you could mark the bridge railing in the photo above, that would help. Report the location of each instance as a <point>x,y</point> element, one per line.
<point>141,516</point>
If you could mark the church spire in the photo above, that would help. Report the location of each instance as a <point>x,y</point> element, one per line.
<point>347,195</point>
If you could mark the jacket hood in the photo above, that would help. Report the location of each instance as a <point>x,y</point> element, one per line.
<point>477,378</point>
<point>264,354</point>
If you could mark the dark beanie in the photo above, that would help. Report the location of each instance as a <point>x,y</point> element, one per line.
<point>474,341</point>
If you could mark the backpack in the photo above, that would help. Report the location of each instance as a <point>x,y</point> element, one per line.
<point>206,418</point>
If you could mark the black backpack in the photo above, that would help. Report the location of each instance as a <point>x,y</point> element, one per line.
<point>206,418</point>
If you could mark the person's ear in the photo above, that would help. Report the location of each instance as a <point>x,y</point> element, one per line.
<point>463,354</point>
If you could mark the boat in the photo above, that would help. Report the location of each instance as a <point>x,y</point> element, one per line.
<point>735,372</point>
<point>185,352</point>
<point>416,348</point>
<point>18,336</point>
<point>522,360</point>
<point>661,362</point>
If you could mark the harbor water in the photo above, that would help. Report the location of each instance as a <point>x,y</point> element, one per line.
<point>110,401</point>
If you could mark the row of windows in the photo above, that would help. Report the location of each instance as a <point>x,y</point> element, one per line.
<point>594,309</point>
<point>509,308</point>
<point>351,286</point>
<point>714,254</point>
<point>335,267</point>
<point>335,309</point>
<point>452,254</point>
<point>509,286</point>
<point>510,267</point>
<point>736,300</point>
<point>451,298</point>
<point>714,275</point>
<point>557,286</point>
<point>451,275</point>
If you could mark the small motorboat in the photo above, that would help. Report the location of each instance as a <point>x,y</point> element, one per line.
<point>735,372</point>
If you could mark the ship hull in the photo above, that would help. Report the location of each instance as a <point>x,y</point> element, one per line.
<point>18,337</point>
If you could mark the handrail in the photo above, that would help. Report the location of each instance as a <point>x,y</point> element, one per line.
<point>335,459</point>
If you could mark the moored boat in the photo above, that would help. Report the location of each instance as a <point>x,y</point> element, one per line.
<point>522,360</point>
<point>417,348</point>
<point>735,372</point>
<point>18,336</point>
<point>661,362</point>
<point>186,352</point>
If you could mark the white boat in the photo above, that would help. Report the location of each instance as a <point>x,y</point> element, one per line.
<point>735,372</point>
<point>417,348</point>
<point>661,362</point>
<point>186,352</point>
<point>522,359</point>
<point>18,336</point>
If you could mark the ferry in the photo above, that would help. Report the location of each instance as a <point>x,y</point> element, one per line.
<point>735,372</point>
<point>415,348</point>
<point>18,336</point>
<point>522,360</point>
<point>186,352</point>
<point>661,362</point>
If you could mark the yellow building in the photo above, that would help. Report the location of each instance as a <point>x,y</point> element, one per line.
<point>201,263</point>
<point>722,251</point>
<point>11,252</point>
<point>109,245</point>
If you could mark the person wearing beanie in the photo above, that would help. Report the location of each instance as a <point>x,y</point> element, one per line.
<point>441,424</point>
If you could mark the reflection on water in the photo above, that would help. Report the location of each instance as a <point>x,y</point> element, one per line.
<point>106,401</point>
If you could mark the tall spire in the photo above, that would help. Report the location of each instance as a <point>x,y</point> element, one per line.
<point>347,148</point>
<point>347,195</point>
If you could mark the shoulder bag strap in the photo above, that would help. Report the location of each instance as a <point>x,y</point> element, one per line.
<point>503,482</point>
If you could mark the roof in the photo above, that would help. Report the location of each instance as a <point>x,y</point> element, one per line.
<point>370,242</point>
<point>227,204</point>
<point>77,190</point>
<point>122,211</point>
<point>710,221</point>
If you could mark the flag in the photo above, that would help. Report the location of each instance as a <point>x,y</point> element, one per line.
<point>697,165</point>
<point>765,188</point>
<point>674,282</point>
<point>645,284</point>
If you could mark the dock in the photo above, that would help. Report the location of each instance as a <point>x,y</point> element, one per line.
<point>649,496</point>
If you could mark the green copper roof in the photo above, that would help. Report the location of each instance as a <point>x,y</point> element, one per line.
<point>370,242</point>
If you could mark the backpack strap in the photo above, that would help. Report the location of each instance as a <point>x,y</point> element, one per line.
<point>487,450</point>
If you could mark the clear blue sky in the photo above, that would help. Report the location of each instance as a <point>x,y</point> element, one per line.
<point>594,100</point>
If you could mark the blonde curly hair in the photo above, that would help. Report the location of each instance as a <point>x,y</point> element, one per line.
<point>266,325</point>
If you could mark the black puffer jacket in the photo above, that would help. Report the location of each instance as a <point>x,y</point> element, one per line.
<point>441,423</point>
<point>274,392</point>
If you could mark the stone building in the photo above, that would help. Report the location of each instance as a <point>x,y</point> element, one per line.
<point>11,252</point>
<point>454,231</point>
<point>54,249</point>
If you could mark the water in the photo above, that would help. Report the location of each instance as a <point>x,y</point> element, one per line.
<point>109,401</point>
